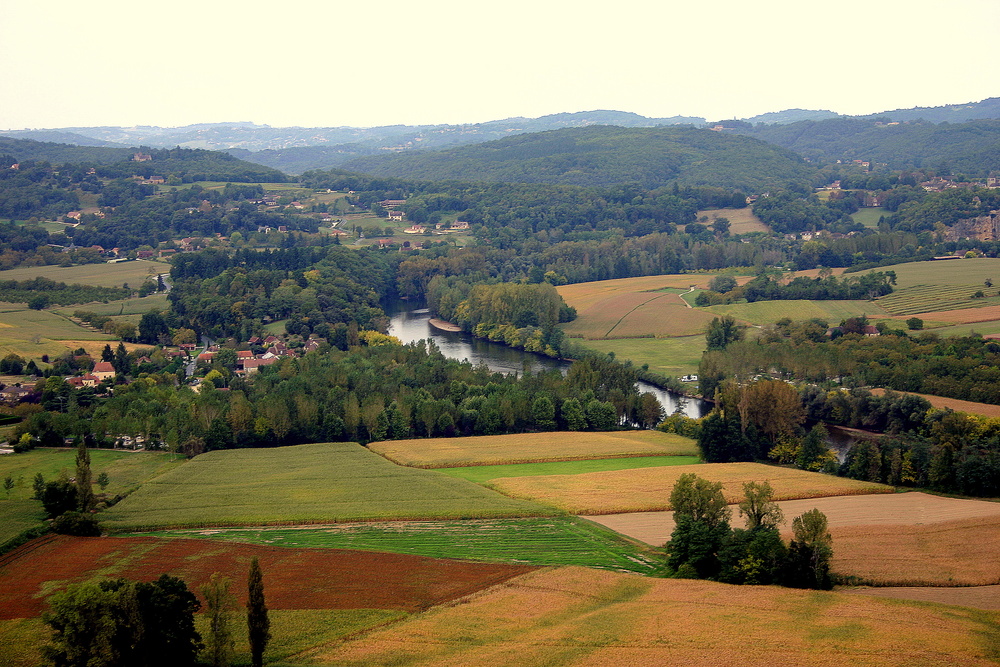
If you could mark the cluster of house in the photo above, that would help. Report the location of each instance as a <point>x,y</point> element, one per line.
<point>248,363</point>
<point>439,228</point>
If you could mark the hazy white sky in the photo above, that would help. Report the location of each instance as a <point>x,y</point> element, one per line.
<point>328,63</point>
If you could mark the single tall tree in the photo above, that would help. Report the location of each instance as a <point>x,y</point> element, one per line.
<point>84,485</point>
<point>219,603</point>
<point>258,623</point>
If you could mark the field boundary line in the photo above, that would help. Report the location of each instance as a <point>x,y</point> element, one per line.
<point>659,296</point>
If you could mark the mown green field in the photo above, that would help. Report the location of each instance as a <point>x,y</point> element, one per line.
<point>329,482</point>
<point>126,471</point>
<point>869,216</point>
<point>483,474</point>
<point>134,306</point>
<point>549,541</point>
<point>768,312</point>
<point>669,356</point>
<point>101,275</point>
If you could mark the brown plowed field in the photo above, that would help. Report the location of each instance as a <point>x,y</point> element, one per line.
<point>978,597</point>
<point>293,578</point>
<point>961,316</point>
<point>576,616</point>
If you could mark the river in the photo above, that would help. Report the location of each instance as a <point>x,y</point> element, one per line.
<point>412,324</point>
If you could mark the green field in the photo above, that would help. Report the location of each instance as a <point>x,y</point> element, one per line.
<point>869,216</point>
<point>135,306</point>
<point>101,275</point>
<point>551,541</point>
<point>329,482</point>
<point>32,333</point>
<point>126,471</point>
<point>483,474</point>
<point>768,312</point>
<point>669,356</point>
<point>930,298</point>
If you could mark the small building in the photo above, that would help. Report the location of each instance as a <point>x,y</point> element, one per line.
<point>103,370</point>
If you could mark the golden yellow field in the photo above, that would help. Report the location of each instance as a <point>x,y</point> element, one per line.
<point>532,447</point>
<point>584,295</point>
<point>578,616</point>
<point>741,220</point>
<point>648,489</point>
<point>949,553</point>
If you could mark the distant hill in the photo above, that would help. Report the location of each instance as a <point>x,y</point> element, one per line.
<point>188,164</point>
<point>603,155</point>
<point>791,116</point>
<point>970,148</point>
<point>949,113</point>
<point>61,137</point>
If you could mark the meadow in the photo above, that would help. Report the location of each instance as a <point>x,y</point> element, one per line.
<point>535,541</point>
<point>670,356</point>
<point>102,275</point>
<point>768,312</point>
<point>741,220</point>
<point>532,448</point>
<point>658,314</point>
<point>869,216</point>
<point>32,333</point>
<point>126,471</point>
<point>330,482</point>
<point>587,617</point>
<point>648,489</point>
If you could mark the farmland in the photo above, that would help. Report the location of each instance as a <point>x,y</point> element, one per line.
<point>532,448</point>
<point>126,470</point>
<point>101,275</point>
<point>741,220</point>
<point>549,541</point>
<point>927,287</point>
<point>328,482</point>
<point>670,356</point>
<point>648,489</point>
<point>32,333</point>
<point>639,314</point>
<point>767,312</point>
<point>483,474</point>
<point>579,616</point>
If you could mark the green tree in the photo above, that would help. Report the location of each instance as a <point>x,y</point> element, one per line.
<point>813,448</point>
<point>122,623</point>
<point>573,416</point>
<point>914,324</point>
<point>258,623</point>
<point>543,413</point>
<point>8,485</point>
<point>103,480</point>
<point>702,525</point>
<point>723,331</point>
<point>220,605</point>
<point>84,485</point>
<point>722,284</point>
<point>759,508</point>
<point>810,552</point>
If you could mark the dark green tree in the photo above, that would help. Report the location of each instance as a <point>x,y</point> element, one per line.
<point>220,605</point>
<point>702,525</point>
<point>723,331</point>
<point>84,484</point>
<point>258,623</point>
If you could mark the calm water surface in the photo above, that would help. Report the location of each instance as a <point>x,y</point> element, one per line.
<point>411,324</point>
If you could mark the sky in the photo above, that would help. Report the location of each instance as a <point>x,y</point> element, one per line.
<point>326,63</point>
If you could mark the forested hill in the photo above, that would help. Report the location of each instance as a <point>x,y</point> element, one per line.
<point>971,148</point>
<point>184,163</point>
<point>604,155</point>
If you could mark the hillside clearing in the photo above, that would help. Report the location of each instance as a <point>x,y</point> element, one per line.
<point>101,275</point>
<point>532,448</point>
<point>648,489</point>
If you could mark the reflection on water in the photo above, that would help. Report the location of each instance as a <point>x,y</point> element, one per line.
<point>412,324</point>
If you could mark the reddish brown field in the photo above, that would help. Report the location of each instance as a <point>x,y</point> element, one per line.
<point>985,409</point>
<point>293,578</point>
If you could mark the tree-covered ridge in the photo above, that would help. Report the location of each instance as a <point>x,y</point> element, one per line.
<point>186,164</point>
<point>601,155</point>
<point>971,148</point>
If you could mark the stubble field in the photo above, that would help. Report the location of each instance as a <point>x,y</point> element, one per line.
<point>532,448</point>
<point>648,489</point>
<point>584,617</point>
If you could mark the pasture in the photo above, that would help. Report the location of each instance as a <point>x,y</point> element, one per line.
<point>742,220</point>
<point>122,307</point>
<point>869,216</point>
<point>768,312</point>
<point>318,483</point>
<point>102,275</point>
<point>587,617</point>
<point>549,541</point>
<point>585,295</point>
<point>532,448</point>
<point>126,471</point>
<point>670,356</point>
<point>648,489</point>
<point>483,474</point>
<point>928,287</point>
<point>32,333</point>
<point>639,314</point>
